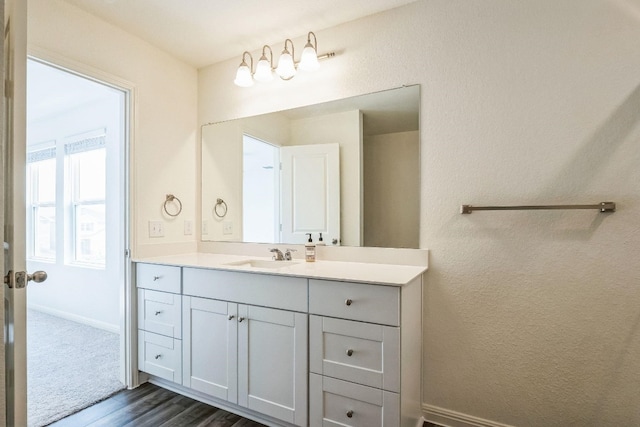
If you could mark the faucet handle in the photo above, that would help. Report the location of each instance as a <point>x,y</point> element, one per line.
<point>287,254</point>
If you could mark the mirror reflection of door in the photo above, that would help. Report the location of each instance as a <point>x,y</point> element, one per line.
<point>310,193</point>
<point>260,190</point>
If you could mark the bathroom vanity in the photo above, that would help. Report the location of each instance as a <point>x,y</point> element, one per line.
<point>306,344</point>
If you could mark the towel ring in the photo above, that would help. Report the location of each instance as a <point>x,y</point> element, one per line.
<point>220,203</point>
<point>172,198</point>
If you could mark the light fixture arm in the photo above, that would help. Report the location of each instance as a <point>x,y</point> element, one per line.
<point>315,40</point>
<point>264,55</point>
<point>293,50</point>
<point>245,62</point>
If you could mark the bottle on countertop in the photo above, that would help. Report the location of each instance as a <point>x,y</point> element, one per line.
<point>309,250</point>
<point>320,241</point>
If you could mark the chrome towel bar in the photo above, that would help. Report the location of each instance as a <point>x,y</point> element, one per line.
<point>603,207</point>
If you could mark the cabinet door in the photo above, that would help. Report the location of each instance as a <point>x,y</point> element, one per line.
<point>272,362</point>
<point>210,346</point>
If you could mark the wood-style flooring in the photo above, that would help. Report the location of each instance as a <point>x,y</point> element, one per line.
<point>153,406</point>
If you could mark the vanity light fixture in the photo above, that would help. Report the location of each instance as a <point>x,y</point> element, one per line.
<point>264,69</point>
<point>287,67</point>
<point>309,59</point>
<point>244,75</point>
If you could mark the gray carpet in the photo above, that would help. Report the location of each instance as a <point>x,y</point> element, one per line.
<point>70,366</point>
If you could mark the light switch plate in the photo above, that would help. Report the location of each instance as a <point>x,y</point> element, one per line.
<point>188,227</point>
<point>156,229</point>
<point>227,228</point>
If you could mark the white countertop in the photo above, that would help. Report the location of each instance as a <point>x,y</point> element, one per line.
<point>383,274</point>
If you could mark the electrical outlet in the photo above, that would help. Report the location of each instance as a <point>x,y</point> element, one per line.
<point>156,229</point>
<point>205,227</point>
<point>188,227</point>
<point>227,228</point>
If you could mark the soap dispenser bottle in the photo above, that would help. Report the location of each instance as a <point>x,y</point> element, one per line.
<point>309,250</point>
<point>320,240</point>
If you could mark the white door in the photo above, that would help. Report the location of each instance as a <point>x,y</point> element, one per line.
<point>13,152</point>
<point>210,347</point>
<point>310,193</point>
<point>272,362</point>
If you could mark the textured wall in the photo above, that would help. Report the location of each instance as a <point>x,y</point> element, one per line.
<point>530,318</point>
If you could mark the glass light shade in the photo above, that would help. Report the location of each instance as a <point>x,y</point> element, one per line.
<point>286,68</point>
<point>243,76</point>
<point>263,70</point>
<point>309,59</point>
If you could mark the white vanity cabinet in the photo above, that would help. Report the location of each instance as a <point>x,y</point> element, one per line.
<point>364,354</point>
<point>159,321</point>
<point>284,349</point>
<point>244,344</point>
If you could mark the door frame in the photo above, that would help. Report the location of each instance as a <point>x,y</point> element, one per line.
<point>128,333</point>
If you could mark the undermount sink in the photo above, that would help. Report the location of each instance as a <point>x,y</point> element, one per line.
<point>263,263</point>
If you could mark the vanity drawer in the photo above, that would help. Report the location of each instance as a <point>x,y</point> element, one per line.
<point>355,301</point>
<point>160,312</point>
<point>160,356</point>
<point>362,353</point>
<point>287,293</point>
<point>339,403</point>
<point>158,277</point>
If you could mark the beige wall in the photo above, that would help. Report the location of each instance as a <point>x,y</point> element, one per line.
<point>163,148</point>
<point>392,190</point>
<point>530,318</point>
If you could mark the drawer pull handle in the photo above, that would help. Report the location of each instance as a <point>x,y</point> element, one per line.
<point>156,278</point>
<point>231,316</point>
<point>158,312</point>
<point>349,414</point>
<point>349,301</point>
<point>158,356</point>
<point>240,319</point>
<point>349,352</point>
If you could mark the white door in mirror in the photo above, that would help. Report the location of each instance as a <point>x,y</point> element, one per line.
<point>310,192</point>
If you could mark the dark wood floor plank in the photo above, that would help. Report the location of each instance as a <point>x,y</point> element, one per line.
<point>153,406</point>
<point>134,409</point>
<point>192,416</point>
<point>105,407</point>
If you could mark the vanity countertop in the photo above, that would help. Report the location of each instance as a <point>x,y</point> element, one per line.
<point>383,274</point>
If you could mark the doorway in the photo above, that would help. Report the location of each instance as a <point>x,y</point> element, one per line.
<point>260,190</point>
<point>76,231</point>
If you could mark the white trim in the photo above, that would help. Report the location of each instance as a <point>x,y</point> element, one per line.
<point>449,418</point>
<point>76,318</point>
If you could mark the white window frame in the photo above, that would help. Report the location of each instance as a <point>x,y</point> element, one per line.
<point>39,152</point>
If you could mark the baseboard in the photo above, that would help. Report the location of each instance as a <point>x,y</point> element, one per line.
<point>448,418</point>
<point>75,318</point>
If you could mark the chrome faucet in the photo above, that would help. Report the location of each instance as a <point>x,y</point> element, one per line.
<point>277,254</point>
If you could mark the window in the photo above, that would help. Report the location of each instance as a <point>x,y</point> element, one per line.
<point>41,199</point>
<point>86,162</point>
<point>81,172</point>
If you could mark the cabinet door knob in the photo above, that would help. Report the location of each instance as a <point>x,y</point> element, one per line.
<point>158,356</point>
<point>349,352</point>
<point>240,319</point>
<point>156,278</point>
<point>349,301</point>
<point>231,316</point>
<point>158,312</point>
<point>349,414</point>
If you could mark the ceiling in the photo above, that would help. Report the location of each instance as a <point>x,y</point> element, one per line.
<point>203,32</point>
